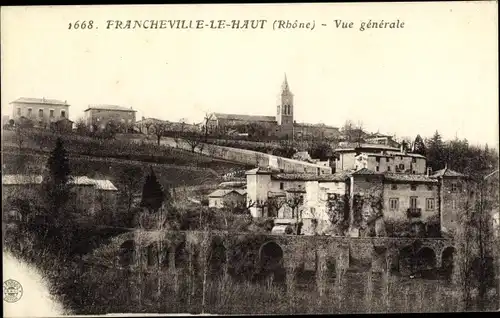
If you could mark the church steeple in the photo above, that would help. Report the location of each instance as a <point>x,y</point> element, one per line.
<point>284,86</point>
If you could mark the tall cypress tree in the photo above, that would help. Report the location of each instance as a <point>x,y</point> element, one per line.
<point>56,182</point>
<point>419,146</point>
<point>152,193</point>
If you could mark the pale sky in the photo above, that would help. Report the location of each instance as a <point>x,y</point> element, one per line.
<point>438,72</point>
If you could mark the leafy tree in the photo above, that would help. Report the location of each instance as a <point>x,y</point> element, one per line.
<point>322,151</point>
<point>152,193</point>
<point>81,127</point>
<point>338,212</point>
<point>160,129</point>
<point>419,146</point>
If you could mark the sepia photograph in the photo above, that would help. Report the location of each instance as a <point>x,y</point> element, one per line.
<point>249,159</point>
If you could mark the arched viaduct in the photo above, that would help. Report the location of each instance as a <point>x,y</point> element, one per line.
<point>282,255</point>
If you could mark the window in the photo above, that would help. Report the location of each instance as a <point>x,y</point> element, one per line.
<point>377,159</point>
<point>63,113</point>
<point>393,204</point>
<point>282,186</point>
<point>430,204</point>
<point>401,166</point>
<point>413,202</point>
<point>29,112</point>
<point>413,187</point>
<point>51,113</point>
<point>414,160</point>
<point>389,168</point>
<point>429,187</point>
<point>394,186</point>
<point>454,187</point>
<point>19,112</point>
<point>377,168</point>
<point>40,113</point>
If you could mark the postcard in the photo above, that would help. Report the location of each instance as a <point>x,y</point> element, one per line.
<point>226,159</point>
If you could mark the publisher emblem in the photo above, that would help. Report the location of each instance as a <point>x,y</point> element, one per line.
<point>12,291</point>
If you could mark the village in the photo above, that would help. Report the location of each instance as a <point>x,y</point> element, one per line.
<point>365,189</point>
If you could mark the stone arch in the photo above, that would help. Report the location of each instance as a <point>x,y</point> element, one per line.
<point>271,256</point>
<point>181,256</point>
<point>447,260</point>
<point>164,255</point>
<point>406,259</point>
<point>379,259</point>
<point>151,255</point>
<point>217,257</point>
<point>425,258</point>
<point>126,253</point>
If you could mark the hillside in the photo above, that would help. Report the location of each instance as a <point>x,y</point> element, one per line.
<point>106,158</point>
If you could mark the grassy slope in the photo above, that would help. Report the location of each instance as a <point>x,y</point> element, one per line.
<point>96,158</point>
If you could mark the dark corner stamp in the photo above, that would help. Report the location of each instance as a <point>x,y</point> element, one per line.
<point>12,291</point>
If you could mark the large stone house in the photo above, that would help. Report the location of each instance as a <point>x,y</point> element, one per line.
<point>379,158</point>
<point>97,117</point>
<point>42,112</point>
<point>91,195</point>
<point>281,125</point>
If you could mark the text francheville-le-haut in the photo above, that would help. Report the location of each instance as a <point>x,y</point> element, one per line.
<point>247,24</point>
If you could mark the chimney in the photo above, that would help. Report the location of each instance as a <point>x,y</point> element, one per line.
<point>401,148</point>
<point>429,171</point>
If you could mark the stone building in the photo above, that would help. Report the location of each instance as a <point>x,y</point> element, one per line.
<point>452,187</point>
<point>419,200</point>
<point>281,125</point>
<point>91,195</point>
<point>382,139</point>
<point>42,112</point>
<point>221,198</point>
<point>97,117</point>
<point>379,158</point>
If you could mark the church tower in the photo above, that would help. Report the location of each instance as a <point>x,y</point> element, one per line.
<point>284,113</point>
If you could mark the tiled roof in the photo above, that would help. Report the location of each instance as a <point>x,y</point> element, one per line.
<point>29,100</point>
<point>98,184</point>
<point>363,172</point>
<point>233,184</point>
<point>354,146</point>
<point>110,107</point>
<point>223,192</point>
<point>261,170</point>
<point>447,173</point>
<point>394,154</point>
<point>245,117</point>
<point>18,179</point>
<point>77,180</point>
<point>403,177</point>
<point>335,177</point>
